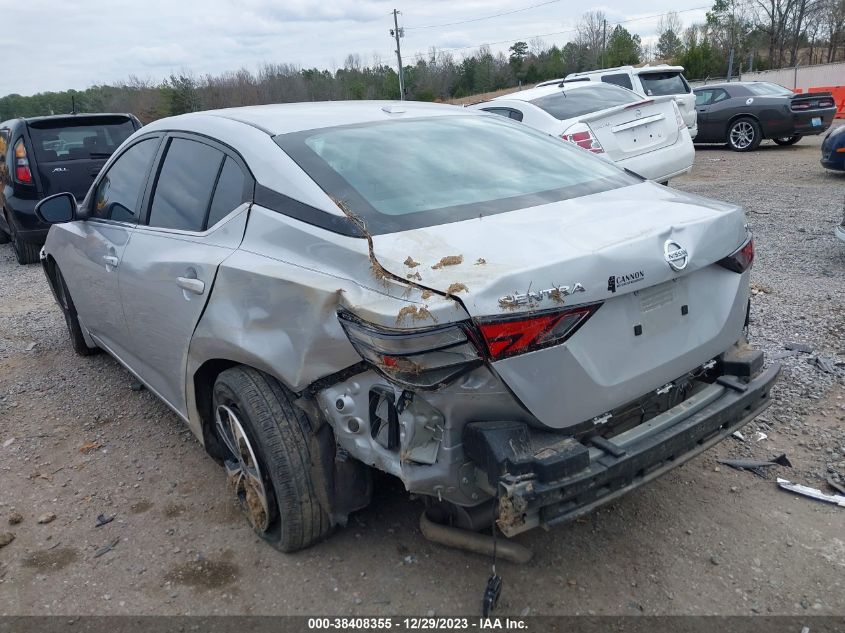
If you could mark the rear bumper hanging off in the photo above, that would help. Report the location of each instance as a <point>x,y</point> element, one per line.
<point>566,478</point>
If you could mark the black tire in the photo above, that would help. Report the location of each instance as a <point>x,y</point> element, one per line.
<point>5,238</point>
<point>744,135</point>
<point>25,252</point>
<point>788,140</point>
<point>279,433</point>
<point>77,340</point>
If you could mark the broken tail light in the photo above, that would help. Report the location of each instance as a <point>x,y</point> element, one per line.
<point>740,260</point>
<point>424,357</point>
<point>23,174</point>
<point>510,336</point>
<point>583,137</point>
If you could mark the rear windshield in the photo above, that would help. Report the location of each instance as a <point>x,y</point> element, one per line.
<point>666,83</point>
<point>81,138</point>
<point>764,88</point>
<point>399,175</point>
<point>568,104</point>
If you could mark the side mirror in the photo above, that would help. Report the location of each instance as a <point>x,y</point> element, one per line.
<point>57,208</point>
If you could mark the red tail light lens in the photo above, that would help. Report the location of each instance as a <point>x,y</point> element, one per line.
<point>583,137</point>
<point>22,172</point>
<point>741,259</point>
<point>517,335</point>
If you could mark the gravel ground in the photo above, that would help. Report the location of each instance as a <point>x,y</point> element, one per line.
<point>77,442</point>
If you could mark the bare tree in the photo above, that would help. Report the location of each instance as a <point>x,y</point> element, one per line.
<point>591,37</point>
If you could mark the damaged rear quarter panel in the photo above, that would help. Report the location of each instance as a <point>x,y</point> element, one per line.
<point>275,301</point>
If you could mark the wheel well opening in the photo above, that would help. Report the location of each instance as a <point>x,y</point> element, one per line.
<point>734,118</point>
<point>204,379</point>
<point>50,268</point>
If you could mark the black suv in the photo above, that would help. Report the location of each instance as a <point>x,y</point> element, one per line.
<point>41,156</point>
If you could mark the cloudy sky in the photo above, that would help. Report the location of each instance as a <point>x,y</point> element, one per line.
<point>51,45</point>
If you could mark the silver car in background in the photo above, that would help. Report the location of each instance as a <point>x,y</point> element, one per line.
<point>511,326</point>
<point>646,135</point>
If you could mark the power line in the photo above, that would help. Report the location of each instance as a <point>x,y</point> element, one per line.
<point>486,17</point>
<point>573,30</point>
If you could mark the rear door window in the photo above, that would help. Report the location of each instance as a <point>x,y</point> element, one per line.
<point>230,192</point>
<point>619,79</point>
<point>185,184</point>
<point>79,137</point>
<point>665,83</point>
<point>118,192</point>
<point>575,102</point>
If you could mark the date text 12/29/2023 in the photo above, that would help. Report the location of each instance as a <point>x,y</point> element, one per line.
<point>417,624</point>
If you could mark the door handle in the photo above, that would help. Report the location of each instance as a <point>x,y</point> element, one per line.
<point>111,260</point>
<point>191,284</point>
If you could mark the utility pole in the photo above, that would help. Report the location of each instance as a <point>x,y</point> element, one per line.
<point>603,40</point>
<point>396,32</point>
<point>730,63</point>
<point>733,39</point>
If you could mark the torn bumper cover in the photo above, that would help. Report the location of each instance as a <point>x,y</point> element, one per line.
<point>560,478</point>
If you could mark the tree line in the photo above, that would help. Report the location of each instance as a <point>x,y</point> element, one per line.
<point>761,33</point>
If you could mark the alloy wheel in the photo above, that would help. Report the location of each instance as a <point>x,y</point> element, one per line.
<point>242,469</point>
<point>742,134</point>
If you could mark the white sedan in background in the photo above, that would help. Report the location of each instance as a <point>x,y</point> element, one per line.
<point>645,135</point>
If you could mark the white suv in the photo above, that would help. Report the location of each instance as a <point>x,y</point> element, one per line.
<point>650,81</point>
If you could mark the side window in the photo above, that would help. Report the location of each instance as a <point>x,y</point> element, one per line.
<point>229,193</point>
<point>185,184</point>
<point>620,79</point>
<point>118,192</point>
<point>703,97</point>
<point>720,95</point>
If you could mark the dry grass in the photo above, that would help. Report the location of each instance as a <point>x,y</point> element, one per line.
<point>485,96</point>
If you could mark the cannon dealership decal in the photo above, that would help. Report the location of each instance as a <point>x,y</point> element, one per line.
<point>617,281</point>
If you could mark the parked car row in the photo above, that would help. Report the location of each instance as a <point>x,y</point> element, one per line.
<point>517,329</point>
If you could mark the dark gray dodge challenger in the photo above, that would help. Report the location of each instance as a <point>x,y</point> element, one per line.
<point>743,113</point>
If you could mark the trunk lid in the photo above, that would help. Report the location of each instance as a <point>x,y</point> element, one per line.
<point>612,245</point>
<point>74,176</point>
<point>638,128</point>
<point>811,101</point>
<point>582,240</point>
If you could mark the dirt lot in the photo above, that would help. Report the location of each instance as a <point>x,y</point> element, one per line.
<point>76,441</point>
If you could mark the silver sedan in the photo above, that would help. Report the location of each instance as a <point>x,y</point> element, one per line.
<point>517,330</point>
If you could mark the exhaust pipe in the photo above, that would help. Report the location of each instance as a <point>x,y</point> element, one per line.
<point>473,541</point>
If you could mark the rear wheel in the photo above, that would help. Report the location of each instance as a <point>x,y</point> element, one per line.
<point>25,252</point>
<point>4,237</point>
<point>265,441</point>
<point>788,140</point>
<point>77,340</point>
<point>744,135</point>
